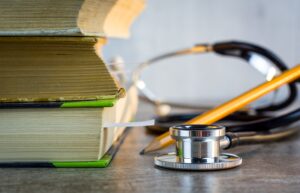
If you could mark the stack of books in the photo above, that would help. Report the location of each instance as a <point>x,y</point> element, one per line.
<point>55,91</point>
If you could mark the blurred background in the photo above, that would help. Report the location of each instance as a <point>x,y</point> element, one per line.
<point>208,79</point>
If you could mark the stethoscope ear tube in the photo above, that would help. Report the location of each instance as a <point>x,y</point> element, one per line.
<point>245,51</point>
<point>252,137</point>
<point>267,124</point>
<point>262,123</point>
<point>257,56</point>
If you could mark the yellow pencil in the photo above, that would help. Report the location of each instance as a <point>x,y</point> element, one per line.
<point>229,107</point>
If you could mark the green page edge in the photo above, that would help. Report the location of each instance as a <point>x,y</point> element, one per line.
<point>97,103</point>
<point>102,163</point>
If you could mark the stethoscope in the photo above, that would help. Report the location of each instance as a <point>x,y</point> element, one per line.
<point>198,147</point>
<point>261,59</point>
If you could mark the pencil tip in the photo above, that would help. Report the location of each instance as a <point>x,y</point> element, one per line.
<point>142,152</point>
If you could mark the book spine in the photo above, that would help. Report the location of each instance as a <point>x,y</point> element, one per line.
<point>69,104</point>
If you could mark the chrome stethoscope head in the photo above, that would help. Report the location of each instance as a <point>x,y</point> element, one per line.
<point>198,147</point>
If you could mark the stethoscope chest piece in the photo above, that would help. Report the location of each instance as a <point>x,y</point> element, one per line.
<point>198,148</point>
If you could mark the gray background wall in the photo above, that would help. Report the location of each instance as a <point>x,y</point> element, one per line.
<point>168,25</point>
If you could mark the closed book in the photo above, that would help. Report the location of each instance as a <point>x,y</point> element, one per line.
<point>54,135</point>
<point>101,18</point>
<point>36,69</point>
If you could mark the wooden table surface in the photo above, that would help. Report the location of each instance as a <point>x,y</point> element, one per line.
<point>273,167</point>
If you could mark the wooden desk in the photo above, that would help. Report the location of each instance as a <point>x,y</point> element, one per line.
<point>266,168</point>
